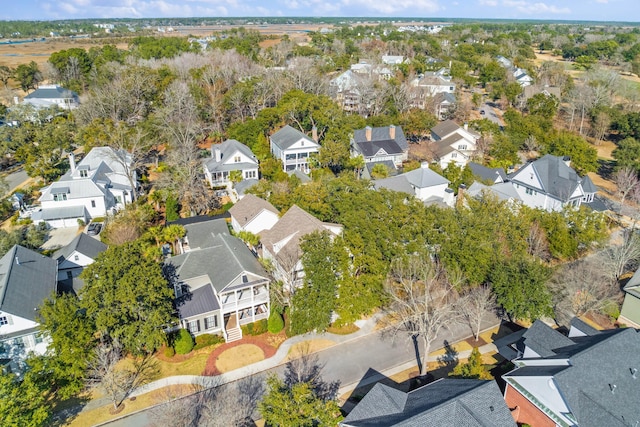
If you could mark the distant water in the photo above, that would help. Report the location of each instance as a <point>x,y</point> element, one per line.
<point>41,39</point>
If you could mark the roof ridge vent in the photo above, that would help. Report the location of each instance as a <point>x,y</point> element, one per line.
<point>613,387</point>
<point>634,371</point>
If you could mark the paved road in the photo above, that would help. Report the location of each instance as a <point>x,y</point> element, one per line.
<point>490,114</point>
<point>351,361</point>
<point>15,179</point>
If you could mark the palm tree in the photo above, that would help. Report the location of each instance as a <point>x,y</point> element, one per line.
<point>172,233</point>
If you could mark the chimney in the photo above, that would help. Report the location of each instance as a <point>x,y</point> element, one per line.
<point>448,198</point>
<point>466,126</point>
<point>567,161</point>
<point>460,197</point>
<point>72,162</point>
<point>392,132</point>
<point>215,153</point>
<point>314,133</point>
<point>367,133</point>
<point>424,165</point>
<point>16,100</point>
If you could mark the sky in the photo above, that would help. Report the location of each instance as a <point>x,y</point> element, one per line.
<point>591,10</point>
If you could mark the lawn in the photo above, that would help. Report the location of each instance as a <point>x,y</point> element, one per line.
<point>308,347</point>
<point>191,366</point>
<point>237,357</point>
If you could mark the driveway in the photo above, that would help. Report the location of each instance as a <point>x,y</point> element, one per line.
<point>59,237</point>
<point>490,113</point>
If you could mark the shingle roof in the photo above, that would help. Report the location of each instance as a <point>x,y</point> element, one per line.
<point>27,279</point>
<point>583,327</point>
<point>242,186</point>
<point>424,177</point>
<point>82,243</point>
<point>543,339</point>
<point>588,186</point>
<point>51,92</point>
<point>488,174</point>
<point>558,179</point>
<point>443,403</point>
<point>201,234</point>
<point>249,207</point>
<point>227,149</point>
<point>398,183</point>
<point>287,136</point>
<point>442,129</point>
<point>503,191</point>
<point>381,136</point>
<point>68,212</point>
<point>223,261</point>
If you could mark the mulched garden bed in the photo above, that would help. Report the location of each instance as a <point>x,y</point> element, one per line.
<point>260,341</point>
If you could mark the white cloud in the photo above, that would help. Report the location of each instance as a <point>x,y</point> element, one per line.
<point>491,3</point>
<point>535,8</point>
<point>391,8</point>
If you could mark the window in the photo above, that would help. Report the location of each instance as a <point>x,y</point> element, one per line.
<point>69,275</point>
<point>58,197</point>
<point>83,173</point>
<point>250,174</point>
<point>38,338</point>
<point>531,192</point>
<point>4,320</point>
<point>193,326</point>
<point>237,159</point>
<point>451,88</point>
<point>211,322</point>
<point>454,155</point>
<point>76,257</point>
<point>119,199</point>
<point>462,147</point>
<point>93,203</point>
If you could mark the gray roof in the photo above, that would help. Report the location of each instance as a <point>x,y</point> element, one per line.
<point>424,177</point>
<point>303,177</point>
<point>487,174</point>
<point>68,212</point>
<point>588,186</point>
<point>242,186</point>
<point>597,363</point>
<point>442,129</point>
<point>82,243</point>
<point>201,234</point>
<point>380,138</point>
<point>583,327</point>
<point>51,92</point>
<point>227,149</point>
<point>443,403</point>
<point>633,285</point>
<point>198,301</point>
<point>287,136</point>
<point>398,183</point>
<point>27,279</point>
<point>249,207</point>
<point>543,339</point>
<point>503,191</point>
<point>223,261</point>
<point>558,179</point>
<point>391,167</point>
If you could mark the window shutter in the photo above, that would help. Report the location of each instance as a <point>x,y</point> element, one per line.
<point>197,325</point>
<point>9,319</point>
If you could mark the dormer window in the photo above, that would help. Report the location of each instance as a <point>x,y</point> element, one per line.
<point>83,173</point>
<point>237,159</point>
<point>58,197</point>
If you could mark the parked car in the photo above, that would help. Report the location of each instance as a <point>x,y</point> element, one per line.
<point>94,228</point>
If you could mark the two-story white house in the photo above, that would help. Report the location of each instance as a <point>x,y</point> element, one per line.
<point>380,144</point>
<point>453,144</point>
<point>52,95</point>
<point>281,244</point>
<point>219,285</point>
<point>294,149</point>
<point>73,258</point>
<point>98,185</point>
<point>228,157</point>
<point>423,183</point>
<point>27,279</point>
<point>550,183</point>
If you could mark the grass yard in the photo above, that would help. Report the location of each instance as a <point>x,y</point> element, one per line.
<point>308,347</point>
<point>99,415</point>
<point>191,366</point>
<point>237,357</point>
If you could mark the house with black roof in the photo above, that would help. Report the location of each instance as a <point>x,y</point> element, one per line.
<point>46,96</point>
<point>443,403</point>
<point>386,145</point>
<point>73,258</point>
<point>27,279</point>
<point>218,282</point>
<point>587,379</point>
<point>453,144</point>
<point>630,312</point>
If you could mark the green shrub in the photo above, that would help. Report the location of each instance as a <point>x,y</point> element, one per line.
<point>169,352</point>
<point>255,328</point>
<point>171,209</point>
<point>276,322</point>
<point>612,310</point>
<point>183,343</point>
<point>206,340</point>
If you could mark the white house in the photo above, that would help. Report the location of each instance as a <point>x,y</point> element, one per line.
<point>423,183</point>
<point>96,186</point>
<point>52,95</point>
<point>253,214</point>
<point>281,243</point>
<point>294,148</point>
<point>550,183</point>
<point>452,143</point>
<point>393,59</point>
<point>27,279</point>
<point>73,258</point>
<point>228,157</point>
<point>219,284</point>
<point>380,144</point>
<point>433,82</point>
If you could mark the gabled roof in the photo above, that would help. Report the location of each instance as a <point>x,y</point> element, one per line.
<point>287,136</point>
<point>503,191</point>
<point>197,301</point>
<point>202,234</point>
<point>424,177</point>
<point>543,339</point>
<point>633,285</point>
<point>242,186</point>
<point>227,149</point>
<point>443,403</point>
<point>249,207</point>
<point>82,243</point>
<point>113,159</point>
<point>27,279</point>
<point>487,174</point>
<point>382,137</point>
<point>295,223</point>
<point>222,262</point>
<point>588,186</point>
<point>558,179</point>
<point>442,129</point>
<point>398,183</point>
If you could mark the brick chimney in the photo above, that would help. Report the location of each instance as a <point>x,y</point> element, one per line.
<point>460,198</point>
<point>367,133</point>
<point>392,132</point>
<point>314,133</point>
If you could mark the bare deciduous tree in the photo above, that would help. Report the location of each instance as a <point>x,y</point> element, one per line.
<point>476,304</point>
<point>106,371</point>
<point>422,302</point>
<point>617,258</point>
<point>306,368</point>
<point>626,180</point>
